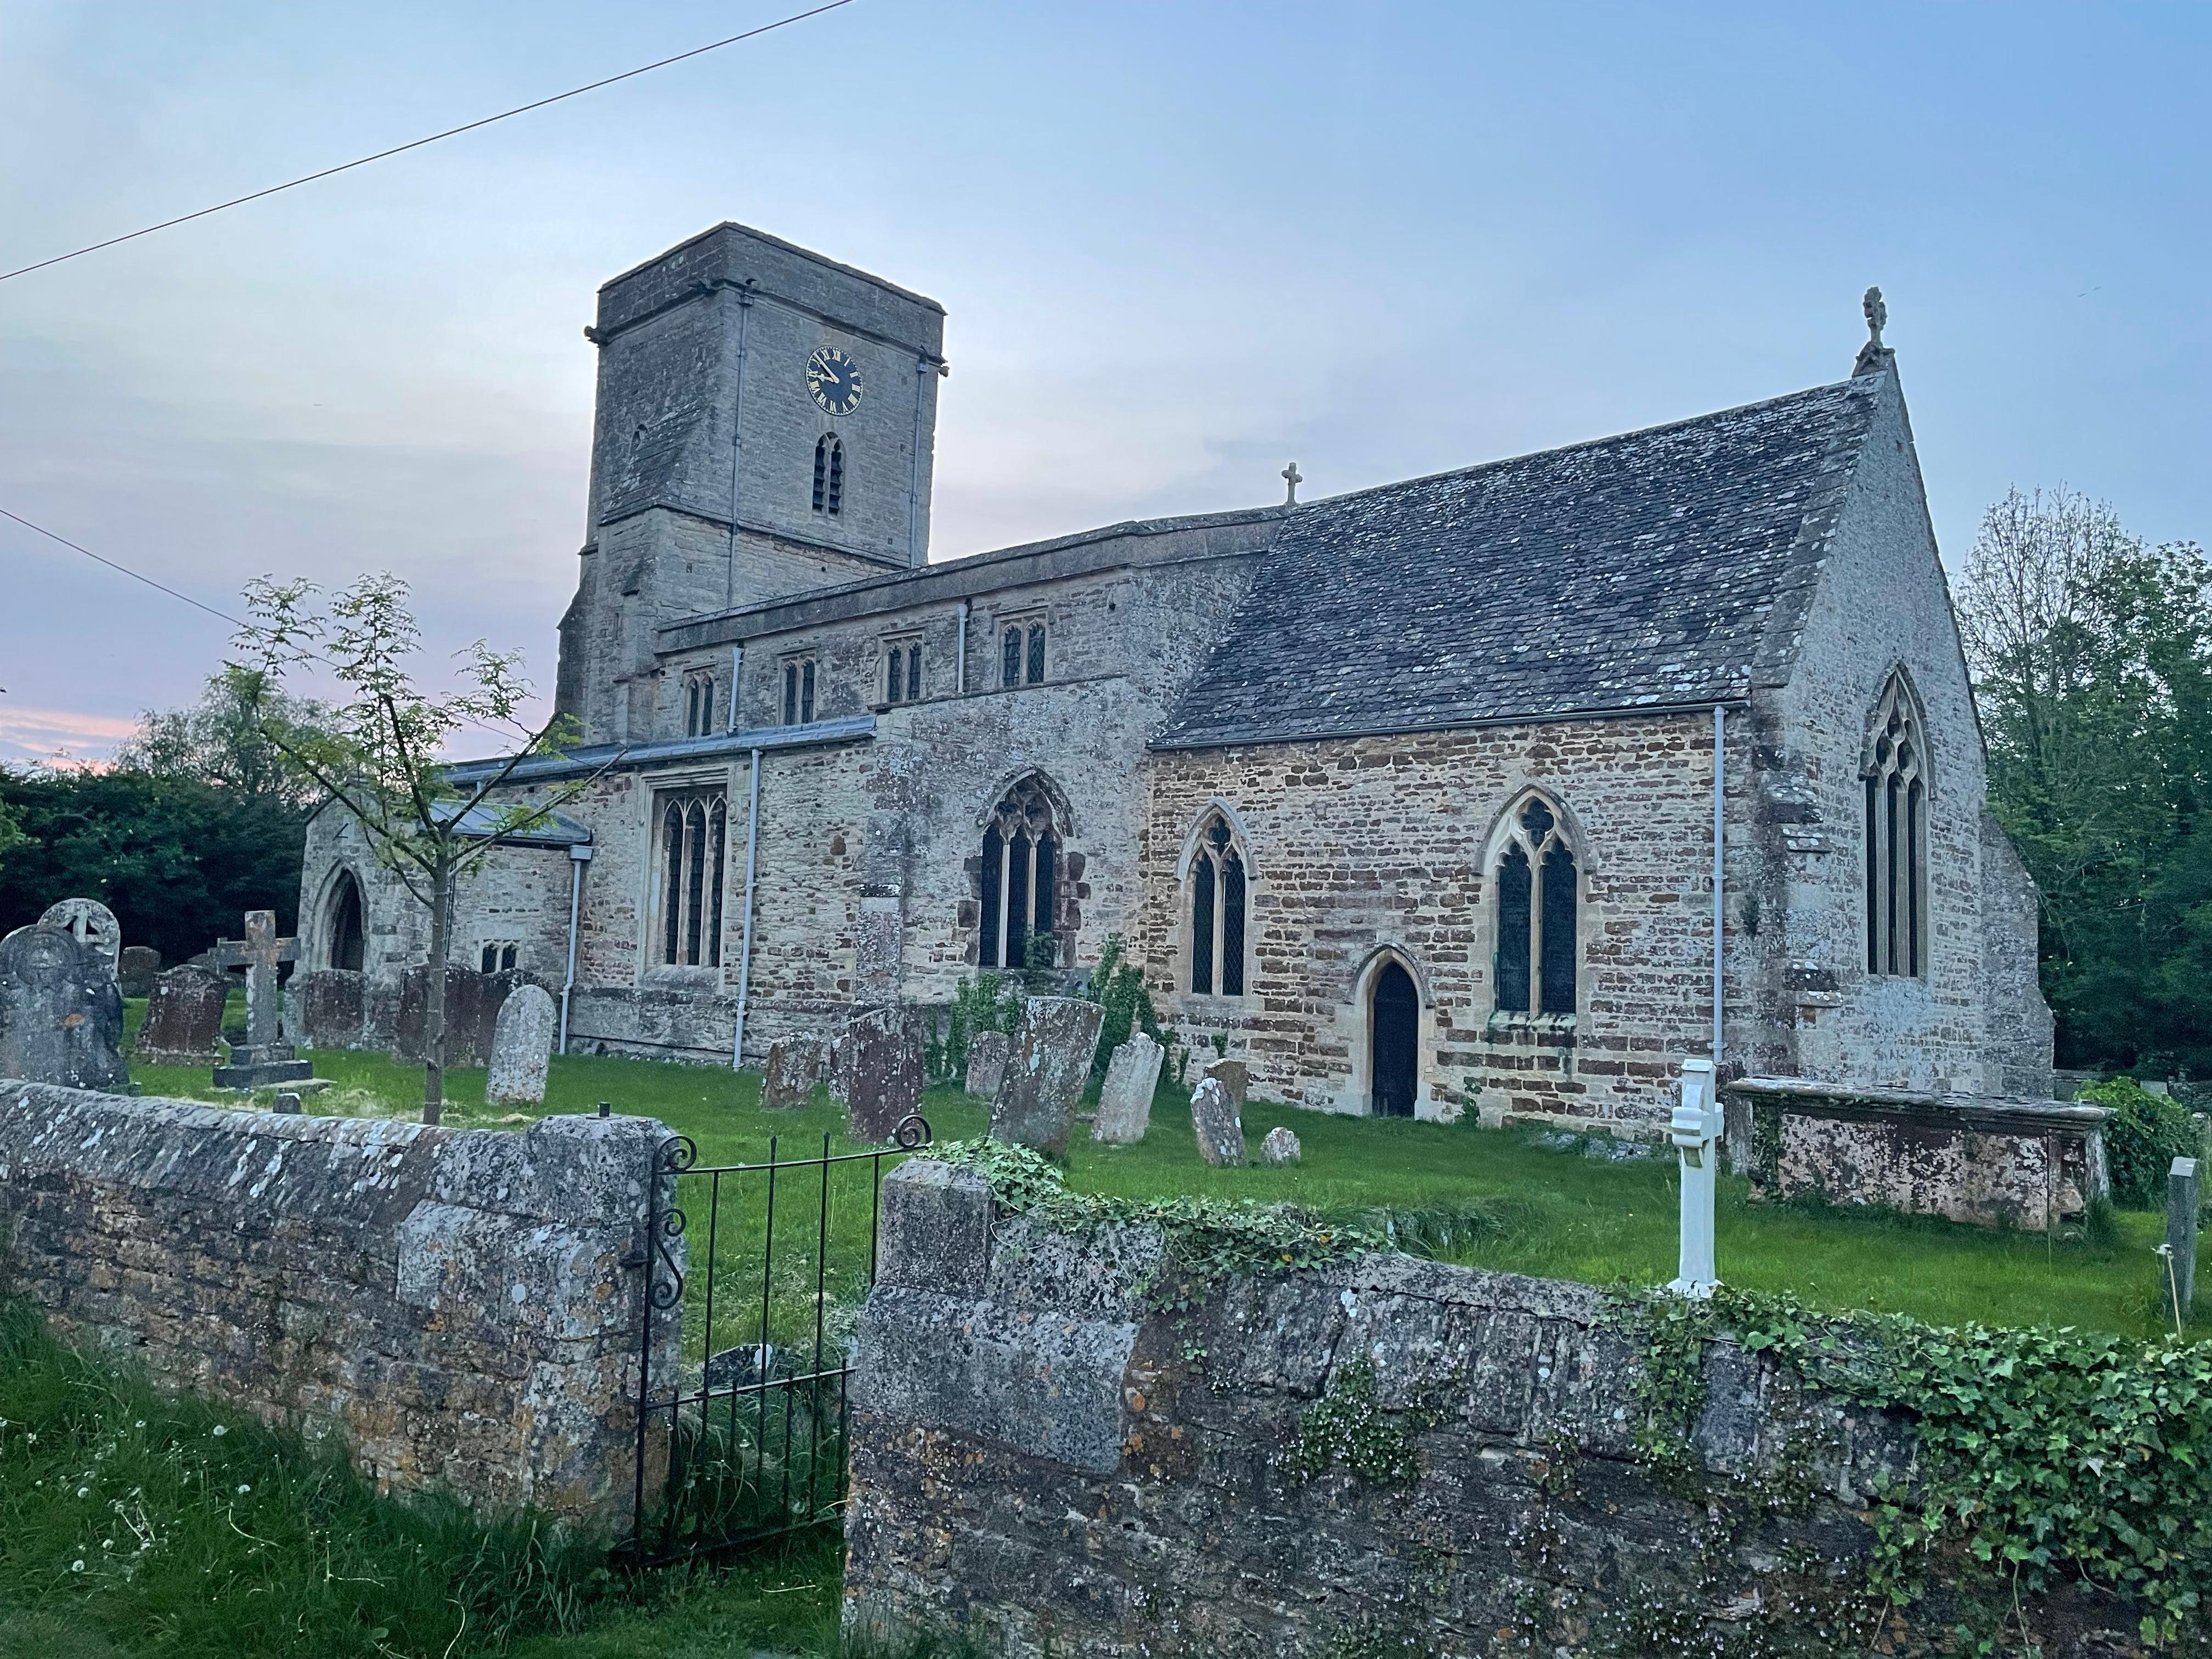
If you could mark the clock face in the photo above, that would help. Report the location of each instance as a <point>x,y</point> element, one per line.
<point>834,380</point>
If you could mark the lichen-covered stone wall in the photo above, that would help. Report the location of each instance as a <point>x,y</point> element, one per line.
<point>452,1303</point>
<point>1385,1456</point>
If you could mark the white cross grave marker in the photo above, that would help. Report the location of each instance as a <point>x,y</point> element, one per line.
<point>1695,1129</point>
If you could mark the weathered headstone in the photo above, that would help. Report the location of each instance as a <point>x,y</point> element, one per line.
<point>328,1007</point>
<point>882,1065</point>
<point>1048,1063</point>
<point>473,999</point>
<point>522,1047</point>
<point>136,968</point>
<point>2176,1288</point>
<point>1125,1102</point>
<point>795,1065</point>
<point>986,1063</point>
<point>1279,1146</point>
<point>288,1105</point>
<point>1230,1074</point>
<point>88,923</point>
<point>61,1014</point>
<point>1215,1120</point>
<point>263,1058</point>
<point>184,1018</point>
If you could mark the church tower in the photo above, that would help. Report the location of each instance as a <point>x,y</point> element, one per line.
<point>766,423</point>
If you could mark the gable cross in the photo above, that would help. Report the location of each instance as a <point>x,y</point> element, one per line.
<point>1293,478</point>
<point>258,953</point>
<point>1877,313</point>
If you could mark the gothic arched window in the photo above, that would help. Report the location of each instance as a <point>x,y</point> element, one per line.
<point>699,705</point>
<point>1021,655</point>
<point>1896,778</point>
<point>344,930</point>
<point>1536,903</point>
<point>1022,861</point>
<point>692,832</point>
<point>1218,884</point>
<point>830,474</point>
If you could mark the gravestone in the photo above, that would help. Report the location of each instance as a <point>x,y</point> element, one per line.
<point>88,923</point>
<point>328,1008</point>
<point>61,1014</point>
<point>184,1018</point>
<point>288,1106</point>
<point>136,968</point>
<point>795,1065</point>
<point>1048,1063</point>
<point>2176,1288</point>
<point>263,1058</point>
<point>1125,1102</point>
<point>986,1063</point>
<point>473,999</point>
<point>1213,1120</point>
<point>522,1047</point>
<point>1278,1146</point>
<point>1230,1074</point>
<point>880,1061</point>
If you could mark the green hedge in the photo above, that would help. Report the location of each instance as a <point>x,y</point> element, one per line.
<point>2142,1136</point>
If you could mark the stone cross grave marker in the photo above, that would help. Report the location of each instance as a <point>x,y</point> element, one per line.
<point>2177,1281</point>
<point>1215,1122</point>
<point>521,1047</point>
<point>91,923</point>
<point>266,1058</point>
<point>1125,1102</point>
<point>1695,1129</point>
<point>61,1015</point>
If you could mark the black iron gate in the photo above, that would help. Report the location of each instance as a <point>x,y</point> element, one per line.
<point>754,1274</point>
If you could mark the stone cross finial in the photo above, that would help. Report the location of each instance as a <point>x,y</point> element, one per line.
<point>1293,478</point>
<point>1876,315</point>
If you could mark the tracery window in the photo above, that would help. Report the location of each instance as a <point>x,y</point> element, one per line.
<point>799,691</point>
<point>698,705</point>
<point>1537,903</point>
<point>1217,889</point>
<point>1896,779</point>
<point>830,475</point>
<point>693,829</point>
<point>1021,654</point>
<point>903,674</point>
<point>1022,859</point>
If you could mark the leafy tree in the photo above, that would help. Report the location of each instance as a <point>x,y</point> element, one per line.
<point>11,827</point>
<point>376,753</point>
<point>220,740</point>
<point>179,860</point>
<point>2092,663</point>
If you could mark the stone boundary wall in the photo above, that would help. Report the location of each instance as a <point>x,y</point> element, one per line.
<point>1043,1463</point>
<point>453,1303</point>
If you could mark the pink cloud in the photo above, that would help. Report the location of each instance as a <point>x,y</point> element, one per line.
<point>60,737</point>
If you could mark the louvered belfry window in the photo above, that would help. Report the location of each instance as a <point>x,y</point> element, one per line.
<point>830,475</point>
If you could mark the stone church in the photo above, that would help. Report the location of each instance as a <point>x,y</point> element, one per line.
<point>1504,789</point>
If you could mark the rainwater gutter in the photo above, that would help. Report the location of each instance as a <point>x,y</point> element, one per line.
<point>579,856</point>
<point>745,950</point>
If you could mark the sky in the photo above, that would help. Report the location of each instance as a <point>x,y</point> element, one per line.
<point>1179,245</point>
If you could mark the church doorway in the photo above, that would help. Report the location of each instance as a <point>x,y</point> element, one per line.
<point>1394,1021</point>
<point>345,929</point>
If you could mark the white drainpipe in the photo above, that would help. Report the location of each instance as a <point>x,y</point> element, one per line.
<point>737,667</point>
<point>745,950</point>
<point>1720,739</point>
<point>579,856</point>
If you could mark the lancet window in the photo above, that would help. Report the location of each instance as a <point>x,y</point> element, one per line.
<point>1536,882</point>
<point>698,705</point>
<point>694,828</point>
<point>830,475</point>
<point>1218,884</point>
<point>1021,871</point>
<point>1896,781</point>
<point>902,673</point>
<point>799,691</point>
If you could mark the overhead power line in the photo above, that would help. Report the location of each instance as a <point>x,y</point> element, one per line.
<point>398,150</point>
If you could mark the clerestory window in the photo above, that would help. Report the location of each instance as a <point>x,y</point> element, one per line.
<point>830,475</point>
<point>799,691</point>
<point>1021,866</point>
<point>693,828</point>
<point>698,705</point>
<point>902,672</point>
<point>1021,654</point>
<point>1896,779</point>
<point>1218,887</point>
<point>1536,884</point>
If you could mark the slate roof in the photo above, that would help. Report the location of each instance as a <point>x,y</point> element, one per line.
<point>1637,571</point>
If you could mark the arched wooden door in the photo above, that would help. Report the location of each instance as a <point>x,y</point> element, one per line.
<point>1393,1024</point>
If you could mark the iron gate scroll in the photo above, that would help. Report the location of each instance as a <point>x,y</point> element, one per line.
<point>742,1409</point>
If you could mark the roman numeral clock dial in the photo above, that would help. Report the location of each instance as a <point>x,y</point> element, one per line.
<point>834,380</point>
